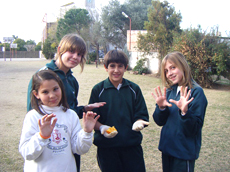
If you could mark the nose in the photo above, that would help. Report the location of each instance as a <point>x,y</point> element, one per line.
<point>52,94</point>
<point>169,72</point>
<point>116,69</point>
<point>77,56</point>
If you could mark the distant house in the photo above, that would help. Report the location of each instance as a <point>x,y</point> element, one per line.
<point>152,62</point>
<point>45,32</point>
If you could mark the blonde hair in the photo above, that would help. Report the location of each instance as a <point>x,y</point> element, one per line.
<point>180,62</point>
<point>72,42</point>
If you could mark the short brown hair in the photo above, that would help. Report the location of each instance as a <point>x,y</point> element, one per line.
<point>37,80</point>
<point>72,42</point>
<point>116,56</point>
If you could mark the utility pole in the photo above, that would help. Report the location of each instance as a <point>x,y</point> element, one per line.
<point>126,16</point>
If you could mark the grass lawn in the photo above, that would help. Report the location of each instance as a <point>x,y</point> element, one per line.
<point>14,78</point>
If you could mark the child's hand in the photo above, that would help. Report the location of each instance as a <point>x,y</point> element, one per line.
<point>45,126</point>
<point>103,129</point>
<point>94,105</point>
<point>182,104</point>
<point>161,99</point>
<point>139,125</point>
<point>89,120</point>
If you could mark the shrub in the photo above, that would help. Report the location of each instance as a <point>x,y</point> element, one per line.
<point>207,55</point>
<point>48,49</point>
<point>92,56</point>
<point>140,67</point>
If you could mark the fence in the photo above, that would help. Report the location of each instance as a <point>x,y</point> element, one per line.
<point>19,54</point>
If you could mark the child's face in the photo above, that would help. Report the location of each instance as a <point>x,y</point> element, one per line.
<point>70,59</point>
<point>49,93</point>
<point>116,72</point>
<point>173,73</point>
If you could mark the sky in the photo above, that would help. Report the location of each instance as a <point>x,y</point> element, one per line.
<point>24,18</point>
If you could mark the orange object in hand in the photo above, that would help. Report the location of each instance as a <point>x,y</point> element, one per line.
<point>111,129</point>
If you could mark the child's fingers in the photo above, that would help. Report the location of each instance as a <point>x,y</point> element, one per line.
<point>187,96</point>
<point>145,123</point>
<point>156,92</point>
<point>169,105</point>
<point>181,91</point>
<point>190,100</point>
<point>84,116</point>
<point>91,114</point>
<point>164,91</point>
<point>102,104</point>
<point>154,96</point>
<point>44,117</point>
<point>94,114</point>
<point>185,91</point>
<point>39,122</point>
<point>97,117</point>
<point>49,117</point>
<point>159,89</point>
<point>54,122</point>
<point>172,101</point>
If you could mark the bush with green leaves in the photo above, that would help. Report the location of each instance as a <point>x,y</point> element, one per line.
<point>38,46</point>
<point>207,54</point>
<point>140,67</point>
<point>49,49</point>
<point>92,56</point>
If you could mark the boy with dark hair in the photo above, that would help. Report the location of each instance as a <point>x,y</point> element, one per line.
<point>125,109</point>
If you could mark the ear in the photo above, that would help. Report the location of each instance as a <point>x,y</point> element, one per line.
<point>58,49</point>
<point>126,67</point>
<point>35,94</point>
<point>106,68</point>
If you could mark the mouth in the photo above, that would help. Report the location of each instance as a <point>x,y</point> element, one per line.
<point>53,101</point>
<point>73,61</point>
<point>116,75</point>
<point>172,78</point>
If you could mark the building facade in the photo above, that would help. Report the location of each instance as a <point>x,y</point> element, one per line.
<point>152,62</point>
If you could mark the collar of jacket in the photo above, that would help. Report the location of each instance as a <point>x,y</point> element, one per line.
<point>54,67</point>
<point>108,84</point>
<point>174,87</point>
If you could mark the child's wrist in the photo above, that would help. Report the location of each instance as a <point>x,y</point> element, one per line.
<point>88,135</point>
<point>162,107</point>
<point>44,137</point>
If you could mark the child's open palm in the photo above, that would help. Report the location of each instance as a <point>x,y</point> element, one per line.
<point>161,99</point>
<point>45,125</point>
<point>182,104</point>
<point>89,120</point>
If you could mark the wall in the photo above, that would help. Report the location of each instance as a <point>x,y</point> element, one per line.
<point>152,61</point>
<point>20,54</point>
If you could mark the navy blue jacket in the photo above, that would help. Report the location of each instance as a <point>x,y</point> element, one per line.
<point>181,135</point>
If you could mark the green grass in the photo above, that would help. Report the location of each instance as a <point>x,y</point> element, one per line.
<point>14,78</point>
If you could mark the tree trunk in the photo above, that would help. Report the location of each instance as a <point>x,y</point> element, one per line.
<point>97,52</point>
